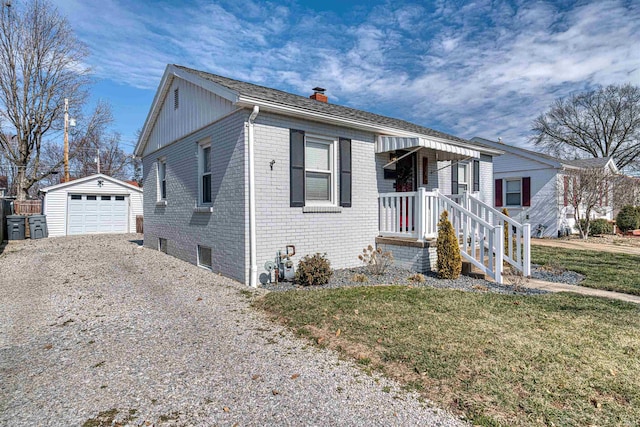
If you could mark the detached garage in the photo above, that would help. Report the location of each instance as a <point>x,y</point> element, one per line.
<point>94,204</point>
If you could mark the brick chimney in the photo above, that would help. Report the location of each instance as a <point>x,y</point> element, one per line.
<point>318,94</point>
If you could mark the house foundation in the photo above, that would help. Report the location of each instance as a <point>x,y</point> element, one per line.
<point>411,254</point>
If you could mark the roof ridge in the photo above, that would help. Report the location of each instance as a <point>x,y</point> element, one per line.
<point>302,102</point>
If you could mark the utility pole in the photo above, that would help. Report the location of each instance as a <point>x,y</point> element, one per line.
<point>66,140</point>
<point>98,159</point>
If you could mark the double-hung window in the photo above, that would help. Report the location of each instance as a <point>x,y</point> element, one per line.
<point>204,174</point>
<point>162,179</point>
<point>320,177</point>
<point>513,192</point>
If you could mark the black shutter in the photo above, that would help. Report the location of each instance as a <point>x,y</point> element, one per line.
<point>526,191</point>
<point>454,177</point>
<point>498,193</point>
<point>296,185</point>
<point>345,172</point>
<point>476,175</point>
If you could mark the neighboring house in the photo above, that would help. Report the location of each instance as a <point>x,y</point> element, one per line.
<point>3,185</point>
<point>234,172</point>
<point>535,188</point>
<point>93,204</point>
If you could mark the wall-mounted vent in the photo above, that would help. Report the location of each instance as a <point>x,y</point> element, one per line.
<point>176,98</point>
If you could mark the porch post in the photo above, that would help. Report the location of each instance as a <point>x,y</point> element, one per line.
<point>526,259</point>
<point>421,209</point>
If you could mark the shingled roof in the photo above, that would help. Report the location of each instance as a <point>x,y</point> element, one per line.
<point>598,162</point>
<point>301,102</point>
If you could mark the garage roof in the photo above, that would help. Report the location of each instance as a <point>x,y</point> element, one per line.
<point>89,178</point>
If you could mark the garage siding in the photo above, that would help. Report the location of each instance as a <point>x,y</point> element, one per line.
<point>55,208</point>
<point>56,202</point>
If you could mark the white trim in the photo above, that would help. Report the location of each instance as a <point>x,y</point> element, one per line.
<point>253,251</point>
<point>198,261</point>
<point>162,161</point>
<point>505,192</point>
<point>203,209</point>
<point>332,142</point>
<point>89,178</point>
<point>202,145</point>
<point>200,129</point>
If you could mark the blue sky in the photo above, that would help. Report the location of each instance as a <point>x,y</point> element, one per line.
<point>477,68</point>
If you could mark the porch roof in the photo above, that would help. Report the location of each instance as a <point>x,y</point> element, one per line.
<point>447,151</point>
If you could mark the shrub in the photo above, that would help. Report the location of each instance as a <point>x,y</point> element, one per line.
<point>417,278</point>
<point>376,260</point>
<point>597,226</point>
<point>314,270</point>
<point>628,218</point>
<point>448,249</point>
<point>359,278</point>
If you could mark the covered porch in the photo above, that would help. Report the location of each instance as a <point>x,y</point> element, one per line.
<point>421,191</point>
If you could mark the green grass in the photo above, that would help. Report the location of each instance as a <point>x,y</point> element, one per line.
<point>557,359</point>
<point>602,270</point>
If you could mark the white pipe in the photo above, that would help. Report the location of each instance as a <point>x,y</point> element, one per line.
<point>253,272</point>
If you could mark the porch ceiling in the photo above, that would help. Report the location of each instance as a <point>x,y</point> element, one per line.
<point>445,151</point>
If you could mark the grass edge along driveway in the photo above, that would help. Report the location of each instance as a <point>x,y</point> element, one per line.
<point>602,270</point>
<point>557,359</point>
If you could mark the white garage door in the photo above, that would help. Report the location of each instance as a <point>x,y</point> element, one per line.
<point>97,214</point>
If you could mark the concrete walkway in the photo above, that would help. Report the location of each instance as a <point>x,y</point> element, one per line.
<point>582,290</point>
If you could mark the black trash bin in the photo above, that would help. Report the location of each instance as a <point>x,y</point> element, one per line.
<point>15,227</point>
<point>38,226</point>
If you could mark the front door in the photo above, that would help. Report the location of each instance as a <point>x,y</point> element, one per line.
<point>406,173</point>
<point>406,181</point>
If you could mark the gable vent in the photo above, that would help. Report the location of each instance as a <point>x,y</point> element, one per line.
<point>176,98</point>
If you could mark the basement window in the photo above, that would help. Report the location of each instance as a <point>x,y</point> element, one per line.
<point>204,257</point>
<point>162,245</point>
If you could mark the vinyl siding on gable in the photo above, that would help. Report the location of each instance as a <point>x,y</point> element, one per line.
<point>197,108</point>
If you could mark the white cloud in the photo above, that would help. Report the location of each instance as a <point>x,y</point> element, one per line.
<point>485,68</point>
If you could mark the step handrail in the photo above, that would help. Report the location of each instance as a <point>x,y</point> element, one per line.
<point>491,241</point>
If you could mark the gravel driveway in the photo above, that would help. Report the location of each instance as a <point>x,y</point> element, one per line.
<point>97,328</point>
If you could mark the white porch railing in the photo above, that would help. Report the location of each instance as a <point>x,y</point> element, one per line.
<point>479,226</point>
<point>408,214</point>
<point>481,243</point>
<point>517,239</point>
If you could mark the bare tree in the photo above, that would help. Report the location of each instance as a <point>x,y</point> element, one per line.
<point>600,123</point>
<point>41,64</point>
<point>626,191</point>
<point>104,150</point>
<point>588,193</point>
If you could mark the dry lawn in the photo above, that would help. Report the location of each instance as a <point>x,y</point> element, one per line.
<point>558,359</point>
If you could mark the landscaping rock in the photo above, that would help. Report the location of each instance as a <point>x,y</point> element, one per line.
<point>400,276</point>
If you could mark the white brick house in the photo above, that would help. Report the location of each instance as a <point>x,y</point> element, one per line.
<point>234,172</point>
<point>535,188</point>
